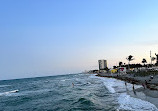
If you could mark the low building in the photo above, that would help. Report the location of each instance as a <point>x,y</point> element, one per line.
<point>122,70</point>
<point>113,70</point>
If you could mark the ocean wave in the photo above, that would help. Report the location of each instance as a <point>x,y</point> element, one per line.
<point>134,104</point>
<point>84,101</point>
<point>116,86</point>
<point>126,101</point>
<point>65,80</point>
<point>1,86</point>
<point>109,87</point>
<point>109,83</point>
<point>9,92</point>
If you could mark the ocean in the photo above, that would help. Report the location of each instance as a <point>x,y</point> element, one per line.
<point>71,92</point>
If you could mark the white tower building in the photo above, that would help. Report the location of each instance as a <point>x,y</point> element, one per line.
<point>102,64</point>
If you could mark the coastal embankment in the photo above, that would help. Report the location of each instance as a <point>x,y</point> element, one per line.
<point>150,83</point>
<point>148,91</point>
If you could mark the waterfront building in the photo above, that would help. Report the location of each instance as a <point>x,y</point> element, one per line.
<point>102,64</point>
<point>113,70</point>
<point>122,70</point>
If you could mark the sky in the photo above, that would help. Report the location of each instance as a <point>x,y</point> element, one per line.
<point>51,37</point>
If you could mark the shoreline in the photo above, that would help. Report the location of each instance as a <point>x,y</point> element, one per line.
<point>151,84</point>
<point>149,94</point>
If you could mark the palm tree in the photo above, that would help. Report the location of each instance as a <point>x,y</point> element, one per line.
<point>156,59</point>
<point>153,59</point>
<point>129,58</point>
<point>144,61</point>
<point>120,64</point>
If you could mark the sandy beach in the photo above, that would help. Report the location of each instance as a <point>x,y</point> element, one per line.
<point>149,93</point>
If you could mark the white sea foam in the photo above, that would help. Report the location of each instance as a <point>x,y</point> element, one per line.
<point>109,85</point>
<point>9,92</point>
<point>134,104</point>
<point>114,85</point>
<point>1,86</point>
<point>108,82</point>
<point>65,80</point>
<point>126,101</point>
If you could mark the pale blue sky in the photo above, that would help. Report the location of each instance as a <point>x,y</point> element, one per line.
<point>50,37</point>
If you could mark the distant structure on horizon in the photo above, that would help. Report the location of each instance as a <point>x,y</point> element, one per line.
<point>156,59</point>
<point>102,64</point>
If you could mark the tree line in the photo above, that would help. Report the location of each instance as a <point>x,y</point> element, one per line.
<point>131,58</point>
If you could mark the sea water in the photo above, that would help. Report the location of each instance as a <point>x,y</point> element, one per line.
<point>73,92</point>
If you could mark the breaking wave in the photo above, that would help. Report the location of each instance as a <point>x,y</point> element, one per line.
<point>126,101</point>
<point>9,92</point>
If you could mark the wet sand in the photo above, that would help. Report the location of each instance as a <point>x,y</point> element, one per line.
<point>145,94</point>
<point>130,78</point>
<point>148,94</point>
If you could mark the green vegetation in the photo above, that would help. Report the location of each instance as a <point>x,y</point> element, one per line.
<point>144,73</point>
<point>129,58</point>
<point>120,64</point>
<point>140,69</point>
<point>144,61</point>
